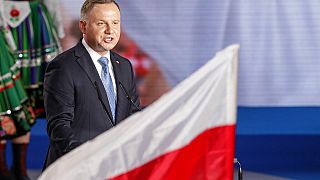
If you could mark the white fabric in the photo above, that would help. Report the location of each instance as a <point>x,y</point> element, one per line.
<point>6,29</point>
<point>1,16</point>
<point>207,99</point>
<point>23,8</point>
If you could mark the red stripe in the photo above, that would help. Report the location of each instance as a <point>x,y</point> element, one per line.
<point>11,84</point>
<point>209,156</point>
<point>6,87</point>
<point>17,76</point>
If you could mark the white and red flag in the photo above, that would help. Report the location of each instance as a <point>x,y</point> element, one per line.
<point>189,133</point>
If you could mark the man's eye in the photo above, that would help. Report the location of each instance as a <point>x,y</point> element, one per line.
<point>100,23</point>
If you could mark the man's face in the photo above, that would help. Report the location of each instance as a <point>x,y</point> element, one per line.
<point>101,28</point>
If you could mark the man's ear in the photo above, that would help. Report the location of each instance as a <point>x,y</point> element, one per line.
<point>82,26</point>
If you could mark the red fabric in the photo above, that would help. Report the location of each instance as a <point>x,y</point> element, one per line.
<point>209,156</point>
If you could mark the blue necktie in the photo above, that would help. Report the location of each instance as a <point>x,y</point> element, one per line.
<point>108,86</point>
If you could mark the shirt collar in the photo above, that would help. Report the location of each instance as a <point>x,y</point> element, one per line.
<point>93,54</point>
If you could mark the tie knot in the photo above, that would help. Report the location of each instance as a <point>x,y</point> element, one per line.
<point>103,61</point>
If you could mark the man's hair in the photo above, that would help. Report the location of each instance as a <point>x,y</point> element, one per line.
<point>89,4</point>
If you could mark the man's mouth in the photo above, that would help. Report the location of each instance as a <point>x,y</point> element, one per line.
<point>108,39</point>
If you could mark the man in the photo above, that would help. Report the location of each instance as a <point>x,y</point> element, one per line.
<point>86,88</point>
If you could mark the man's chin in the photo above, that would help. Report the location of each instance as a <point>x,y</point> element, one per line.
<point>107,47</point>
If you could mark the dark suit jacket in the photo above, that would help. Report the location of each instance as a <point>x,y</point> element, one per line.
<point>73,109</point>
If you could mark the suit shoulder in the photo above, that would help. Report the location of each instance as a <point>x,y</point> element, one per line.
<point>65,57</point>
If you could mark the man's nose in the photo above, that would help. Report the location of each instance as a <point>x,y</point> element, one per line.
<point>108,28</point>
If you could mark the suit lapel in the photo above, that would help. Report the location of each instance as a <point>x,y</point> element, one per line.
<point>87,65</point>
<point>121,98</point>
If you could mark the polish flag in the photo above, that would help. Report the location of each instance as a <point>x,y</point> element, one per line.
<point>189,133</point>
